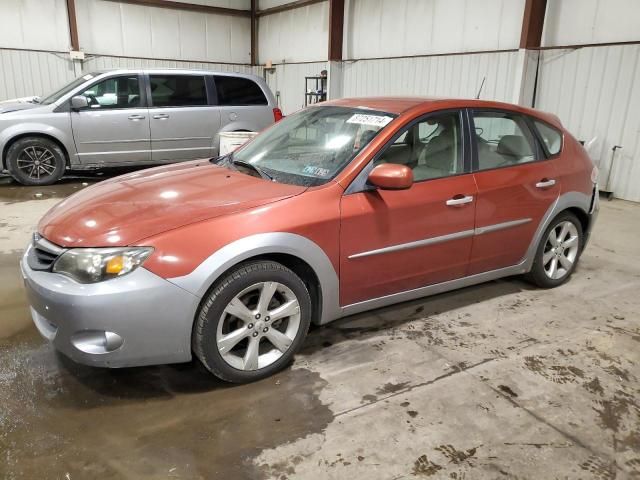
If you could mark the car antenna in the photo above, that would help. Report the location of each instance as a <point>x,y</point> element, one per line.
<point>480,90</point>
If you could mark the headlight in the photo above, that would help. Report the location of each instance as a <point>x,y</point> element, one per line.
<point>91,265</point>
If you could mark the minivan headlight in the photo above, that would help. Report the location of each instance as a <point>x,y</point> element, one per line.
<point>91,265</point>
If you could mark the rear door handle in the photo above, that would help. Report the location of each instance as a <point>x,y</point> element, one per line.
<point>136,117</point>
<point>546,183</point>
<point>459,200</point>
<point>161,116</point>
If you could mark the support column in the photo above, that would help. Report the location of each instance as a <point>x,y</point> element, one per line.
<point>336,29</point>
<point>526,73</point>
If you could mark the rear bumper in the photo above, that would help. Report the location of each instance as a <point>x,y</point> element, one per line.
<point>138,319</point>
<point>593,213</point>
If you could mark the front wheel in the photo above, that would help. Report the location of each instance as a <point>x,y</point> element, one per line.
<point>252,323</point>
<point>558,252</point>
<point>35,161</point>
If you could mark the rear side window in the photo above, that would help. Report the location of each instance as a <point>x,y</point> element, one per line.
<point>178,90</point>
<point>551,137</point>
<point>502,139</point>
<point>239,91</point>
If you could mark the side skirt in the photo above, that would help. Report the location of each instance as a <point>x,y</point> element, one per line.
<point>433,289</point>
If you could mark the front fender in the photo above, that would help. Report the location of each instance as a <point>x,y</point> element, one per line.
<point>60,131</point>
<point>198,281</point>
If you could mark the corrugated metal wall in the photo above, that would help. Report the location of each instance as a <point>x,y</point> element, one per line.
<point>576,22</point>
<point>287,83</point>
<point>596,93</point>
<point>382,28</point>
<point>114,28</point>
<point>34,24</point>
<point>105,62</point>
<point>451,75</point>
<point>299,35</point>
<point>25,73</point>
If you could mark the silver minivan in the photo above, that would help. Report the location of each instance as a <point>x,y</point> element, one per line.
<point>129,117</point>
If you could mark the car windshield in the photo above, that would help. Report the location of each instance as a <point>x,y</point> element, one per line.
<point>312,146</point>
<point>53,97</point>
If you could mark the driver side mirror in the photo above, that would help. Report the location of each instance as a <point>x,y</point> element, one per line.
<point>79,102</point>
<point>390,176</point>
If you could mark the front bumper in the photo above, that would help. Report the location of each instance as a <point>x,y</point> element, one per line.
<point>138,319</point>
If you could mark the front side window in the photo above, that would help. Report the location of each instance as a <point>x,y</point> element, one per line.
<point>502,139</point>
<point>55,96</point>
<point>114,92</point>
<point>432,148</point>
<point>312,146</point>
<point>238,91</point>
<point>551,137</point>
<point>178,90</point>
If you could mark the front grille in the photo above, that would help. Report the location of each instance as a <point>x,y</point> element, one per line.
<point>43,253</point>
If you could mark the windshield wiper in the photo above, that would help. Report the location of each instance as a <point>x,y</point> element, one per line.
<point>253,167</point>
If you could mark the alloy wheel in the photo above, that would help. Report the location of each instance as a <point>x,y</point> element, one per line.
<point>258,326</point>
<point>37,162</point>
<point>560,250</point>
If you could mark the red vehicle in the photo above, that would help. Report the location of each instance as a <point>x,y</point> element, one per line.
<point>343,207</point>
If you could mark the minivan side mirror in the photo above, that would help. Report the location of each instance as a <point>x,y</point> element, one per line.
<point>79,102</point>
<point>391,176</point>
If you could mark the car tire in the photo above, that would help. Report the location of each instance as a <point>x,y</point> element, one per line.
<point>36,161</point>
<point>226,344</point>
<point>554,264</point>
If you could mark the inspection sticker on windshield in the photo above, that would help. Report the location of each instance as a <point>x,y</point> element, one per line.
<point>373,120</point>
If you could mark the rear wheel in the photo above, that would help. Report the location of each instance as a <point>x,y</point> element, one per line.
<point>35,161</point>
<point>252,322</point>
<point>558,252</point>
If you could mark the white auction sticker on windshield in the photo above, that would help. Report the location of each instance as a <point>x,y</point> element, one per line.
<point>373,120</point>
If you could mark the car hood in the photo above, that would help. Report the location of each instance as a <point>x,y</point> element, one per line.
<point>127,209</point>
<point>14,106</point>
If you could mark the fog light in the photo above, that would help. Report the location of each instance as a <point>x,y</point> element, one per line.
<point>96,341</point>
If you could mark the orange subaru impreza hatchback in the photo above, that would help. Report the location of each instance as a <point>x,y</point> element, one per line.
<point>342,207</point>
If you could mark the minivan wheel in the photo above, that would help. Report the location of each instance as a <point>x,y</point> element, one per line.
<point>35,161</point>
<point>252,322</point>
<point>558,252</point>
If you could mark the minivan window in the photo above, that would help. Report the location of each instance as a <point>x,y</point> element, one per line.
<point>114,92</point>
<point>178,90</point>
<point>502,139</point>
<point>55,96</point>
<point>551,137</point>
<point>238,91</point>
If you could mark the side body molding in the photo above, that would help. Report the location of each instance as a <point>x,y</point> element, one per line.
<point>199,281</point>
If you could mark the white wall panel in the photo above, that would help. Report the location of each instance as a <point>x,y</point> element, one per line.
<point>595,93</point>
<point>112,28</point>
<point>34,24</point>
<point>575,22</point>
<point>451,75</point>
<point>24,73</point>
<point>289,81</point>
<point>237,4</point>
<point>299,35</point>
<point>382,28</point>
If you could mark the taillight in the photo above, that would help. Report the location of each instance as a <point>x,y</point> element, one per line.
<point>277,114</point>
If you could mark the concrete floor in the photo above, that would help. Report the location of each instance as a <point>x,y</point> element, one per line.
<point>496,381</point>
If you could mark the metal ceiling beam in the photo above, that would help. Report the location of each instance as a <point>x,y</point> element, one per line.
<point>287,6</point>
<point>73,25</point>
<point>336,27</point>
<point>533,23</point>
<point>192,7</point>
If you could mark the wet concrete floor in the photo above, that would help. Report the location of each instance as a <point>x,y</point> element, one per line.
<point>499,380</point>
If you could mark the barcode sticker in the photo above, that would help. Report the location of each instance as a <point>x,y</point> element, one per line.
<point>373,120</point>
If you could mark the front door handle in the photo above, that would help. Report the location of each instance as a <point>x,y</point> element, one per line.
<point>136,117</point>
<point>546,183</point>
<point>459,200</point>
<point>161,116</point>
